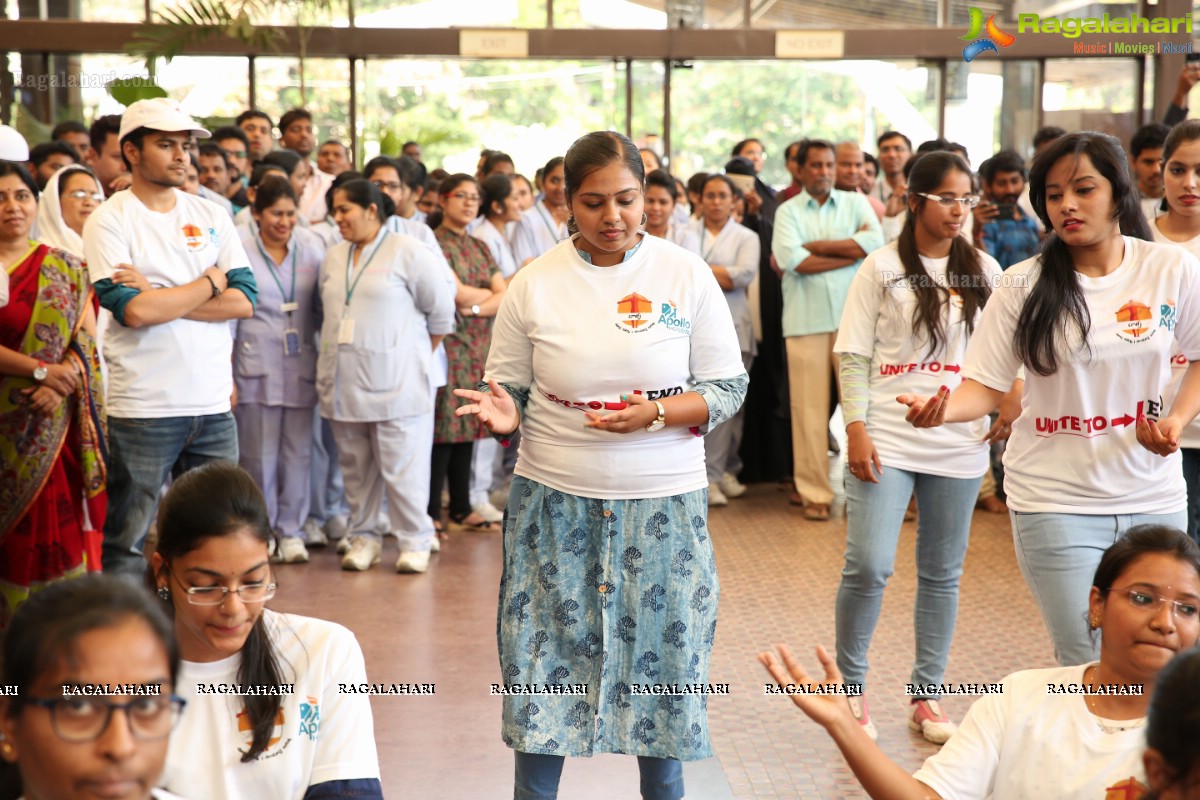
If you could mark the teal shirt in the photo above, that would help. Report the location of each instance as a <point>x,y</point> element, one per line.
<point>813,303</point>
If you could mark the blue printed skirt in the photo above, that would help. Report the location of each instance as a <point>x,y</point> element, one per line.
<point>617,595</point>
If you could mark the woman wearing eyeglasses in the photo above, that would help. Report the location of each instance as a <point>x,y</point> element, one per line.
<point>70,197</point>
<point>52,454</point>
<point>1041,735</point>
<point>93,632</point>
<point>1091,318</point>
<point>481,288</point>
<point>910,311</point>
<point>213,575</point>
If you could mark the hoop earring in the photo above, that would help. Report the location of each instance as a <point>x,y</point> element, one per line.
<point>572,226</point>
<point>645,219</point>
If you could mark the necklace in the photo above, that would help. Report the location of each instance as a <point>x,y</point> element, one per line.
<point>1107,725</point>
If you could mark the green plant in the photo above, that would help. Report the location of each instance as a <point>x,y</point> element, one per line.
<point>247,21</point>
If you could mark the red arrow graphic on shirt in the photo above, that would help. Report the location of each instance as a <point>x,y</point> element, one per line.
<point>951,367</point>
<point>1125,420</point>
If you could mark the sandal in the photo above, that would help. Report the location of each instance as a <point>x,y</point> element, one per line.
<point>460,523</point>
<point>818,512</point>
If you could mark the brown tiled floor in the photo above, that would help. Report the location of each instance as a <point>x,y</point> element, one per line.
<point>778,577</point>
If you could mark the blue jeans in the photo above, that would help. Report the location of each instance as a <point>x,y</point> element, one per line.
<point>874,513</point>
<point>1058,555</point>
<point>1191,477</point>
<point>537,777</point>
<point>142,453</point>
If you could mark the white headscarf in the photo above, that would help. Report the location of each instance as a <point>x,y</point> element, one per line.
<point>52,229</point>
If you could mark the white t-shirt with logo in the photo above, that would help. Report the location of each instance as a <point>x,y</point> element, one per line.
<point>877,322</point>
<point>1074,448</point>
<point>321,734</point>
<point>1179,362</point>
<point>1028,744</point>
<point>580,336</point>
<point>180,368</point>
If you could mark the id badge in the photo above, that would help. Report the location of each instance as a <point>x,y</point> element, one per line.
<point>288,308</point>
<point>346,331</point>
<point>291,342</point>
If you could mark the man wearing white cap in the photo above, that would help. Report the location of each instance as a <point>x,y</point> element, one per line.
<point>171,269</point>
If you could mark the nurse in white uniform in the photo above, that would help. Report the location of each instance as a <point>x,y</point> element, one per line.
<point>544,225</point>
<point>387,305</point>
<point>275,362</point>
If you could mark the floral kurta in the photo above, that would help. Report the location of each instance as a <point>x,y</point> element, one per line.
<point>467,347</point>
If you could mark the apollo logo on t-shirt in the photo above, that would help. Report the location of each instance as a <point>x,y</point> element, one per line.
<point>1135,322</point>
<point>1129,789</point>
<point>310,717</point>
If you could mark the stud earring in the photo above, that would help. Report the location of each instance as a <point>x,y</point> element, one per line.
<point>164,593</point>
<point>1095,622</point>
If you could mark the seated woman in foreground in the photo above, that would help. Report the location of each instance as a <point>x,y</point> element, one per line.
<point>1031,742</point>
<point>212,573</point>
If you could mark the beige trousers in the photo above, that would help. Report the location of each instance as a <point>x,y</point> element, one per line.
<point>809,359</point>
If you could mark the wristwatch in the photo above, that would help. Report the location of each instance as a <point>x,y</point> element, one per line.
<point>661,421</point>
<point>475,310</point>
<point>40,371</point>
<point>215,291</point>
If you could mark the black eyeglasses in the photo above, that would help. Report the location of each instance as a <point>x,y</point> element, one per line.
<point>84,719</point>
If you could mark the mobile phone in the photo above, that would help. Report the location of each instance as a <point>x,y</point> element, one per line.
<point>1005,210</point>
<point>1192,58</point>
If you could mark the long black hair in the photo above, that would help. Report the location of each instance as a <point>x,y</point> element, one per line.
<point>47,627</point>
<point>495,189</point>
<point>1055,303</point>
<point>964,271</point>
<point>215,500</point>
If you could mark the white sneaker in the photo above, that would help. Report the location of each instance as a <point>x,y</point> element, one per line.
<point>927,717</point>
<point>435,546</point>
<point>716,497</point>
<point>313,535</point>
<point>337,526</point>
<point>413,561</point>
<point>291,551</point>
<point>362,554</point>
<point>858,707</point>
<point>343,545</point>
<point>499,498</point>
<point>488,512</point>
<point>731,486</point>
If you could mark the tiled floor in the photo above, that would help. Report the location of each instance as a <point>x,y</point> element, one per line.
<point>778,577</point>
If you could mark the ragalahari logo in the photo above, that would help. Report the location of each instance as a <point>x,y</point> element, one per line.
<point>994,36</point>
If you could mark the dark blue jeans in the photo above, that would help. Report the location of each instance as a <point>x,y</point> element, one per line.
<point>1191,476</point>
<point>537,777</point>
<point>142,453</point>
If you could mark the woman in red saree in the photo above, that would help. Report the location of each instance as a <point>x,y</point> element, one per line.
<point>52,446</point>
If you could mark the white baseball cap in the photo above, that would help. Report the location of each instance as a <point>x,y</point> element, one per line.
<point>13,146</point>
<point>159,114</point>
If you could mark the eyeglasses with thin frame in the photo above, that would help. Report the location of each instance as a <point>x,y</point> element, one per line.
<point>1145,601</point>
<point>395,187</point>
<point>970,201</point>
<point>466,198</point>
<point>82,194</point>
<point>84,719</point>
<point>215,595</point>
<point>235,153</point>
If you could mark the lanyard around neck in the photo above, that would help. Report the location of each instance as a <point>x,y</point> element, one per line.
<point>288,299</point>
<point>350,287</point>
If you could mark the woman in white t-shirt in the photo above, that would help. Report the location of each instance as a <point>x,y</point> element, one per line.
<point>731,251</point>
<point>911,310</point>
<point>98,631</point>
<point>266,717</point>
<point>1070,733</point>
<point>1181,226</point>
<point>1090,319</point>
<point>613,352</point>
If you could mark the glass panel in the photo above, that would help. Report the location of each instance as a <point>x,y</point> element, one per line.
<point>531,110</point>
<point>974,97</point>
<point>1095,94</point>
<point>781,101</point>
<point>644,14</point>
<point>837,15</point>
<point>113,10</point>
<point>325,92</point>
<point>446,14</point>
